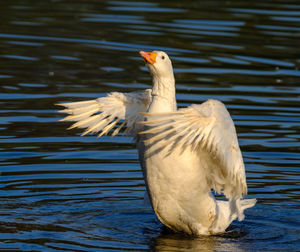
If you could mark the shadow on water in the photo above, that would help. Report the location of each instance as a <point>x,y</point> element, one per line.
<point>61,192</point>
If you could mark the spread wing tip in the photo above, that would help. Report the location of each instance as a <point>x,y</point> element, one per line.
<point>103,114</point>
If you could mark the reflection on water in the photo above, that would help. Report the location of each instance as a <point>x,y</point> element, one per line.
<point>66,193</point>
<point>167,241</point>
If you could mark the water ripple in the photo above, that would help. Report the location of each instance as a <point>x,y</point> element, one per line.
<point>63,192</point>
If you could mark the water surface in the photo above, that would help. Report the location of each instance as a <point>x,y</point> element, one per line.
<point>63,192</point>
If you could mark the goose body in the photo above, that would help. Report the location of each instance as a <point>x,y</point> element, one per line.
<point>184,154</point>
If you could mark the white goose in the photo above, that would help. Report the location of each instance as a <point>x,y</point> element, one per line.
<point>184,154</point>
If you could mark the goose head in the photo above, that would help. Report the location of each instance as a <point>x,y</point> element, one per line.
<point>159,64</point>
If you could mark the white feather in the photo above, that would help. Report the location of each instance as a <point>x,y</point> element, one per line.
<point>102,115</point>
<point>210,126</point>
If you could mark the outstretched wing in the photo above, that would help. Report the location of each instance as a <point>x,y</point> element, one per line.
<point>103,114</point>
<point>203,127</point>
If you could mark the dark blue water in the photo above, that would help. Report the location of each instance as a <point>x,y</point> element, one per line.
<point>63,192</point>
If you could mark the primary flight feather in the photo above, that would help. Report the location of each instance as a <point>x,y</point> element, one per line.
<point>184,153</point>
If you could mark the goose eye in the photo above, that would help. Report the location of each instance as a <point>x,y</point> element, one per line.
<point>163,57</point>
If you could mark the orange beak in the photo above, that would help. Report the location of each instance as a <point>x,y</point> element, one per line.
<point>149,56</point>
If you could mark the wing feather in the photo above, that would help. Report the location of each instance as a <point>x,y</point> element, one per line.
<point>103,115</point>
<point>206,127</point>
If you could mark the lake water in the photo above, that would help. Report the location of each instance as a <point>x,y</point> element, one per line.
<point>63,192</point>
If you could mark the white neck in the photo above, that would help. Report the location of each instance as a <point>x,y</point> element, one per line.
<point>163,95</point>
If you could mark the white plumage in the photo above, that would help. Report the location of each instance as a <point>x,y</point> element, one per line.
<point>184,154</point>
<point>103,114</point>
